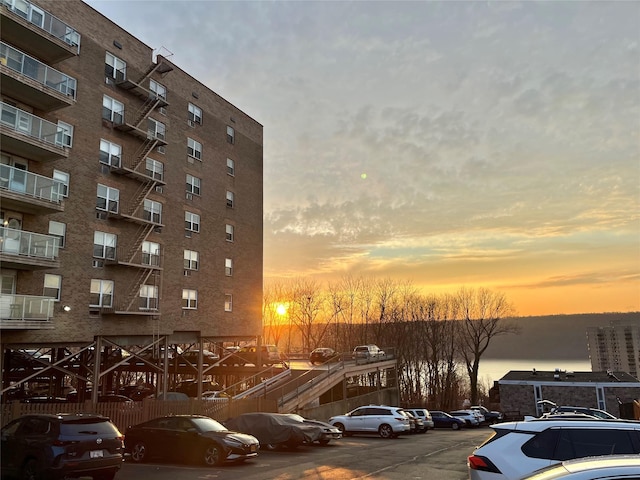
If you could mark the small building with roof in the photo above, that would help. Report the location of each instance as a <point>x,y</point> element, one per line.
<point>522,391</point>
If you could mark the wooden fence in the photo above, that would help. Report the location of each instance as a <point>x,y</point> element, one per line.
<point>125,414</point>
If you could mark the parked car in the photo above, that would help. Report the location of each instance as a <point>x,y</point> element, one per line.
<point>469,417</point>
<point>329,432</point>
<point>192,356</point>
<point>444,420</point>
<point>518,448</point>
<point>416,423</point>
<point>594,412</point>
<point>386,421</point>
<point>274,430</point>
<point>270,355</point>
<point>44,399</point>
<point>193,438</point>
<point>323,355</point>
<point>612,467</point>
<point>425,415</point>
<point>60,446</point>
<point>216,396</point>
<point>367,352</point>
<point>190,387</point>
<point>490,416</point>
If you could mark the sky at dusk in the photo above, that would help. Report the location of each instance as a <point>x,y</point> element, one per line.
<point>447,144</point>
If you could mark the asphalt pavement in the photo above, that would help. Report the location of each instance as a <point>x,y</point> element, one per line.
<point>440,454</point>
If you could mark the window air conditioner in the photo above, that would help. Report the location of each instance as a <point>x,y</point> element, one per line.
<point>98,263</point>
<point>189,196</point>
<point>191,123</point>
<point>159,188</point>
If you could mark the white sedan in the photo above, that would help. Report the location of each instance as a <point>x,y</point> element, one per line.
<point>471,418</point>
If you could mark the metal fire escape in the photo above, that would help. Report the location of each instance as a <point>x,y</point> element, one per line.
<point>134,166</point>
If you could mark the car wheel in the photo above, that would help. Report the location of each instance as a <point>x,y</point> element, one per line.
<point>30,470</point>
<point>385,431</point>
<point>455,426</point>
<point>269,446</point>
<point>340,427</point>
<point>213,455</point>
<point>324,442</point>
<point>139,452</point>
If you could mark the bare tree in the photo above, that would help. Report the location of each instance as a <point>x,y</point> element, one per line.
<point>483,315</point>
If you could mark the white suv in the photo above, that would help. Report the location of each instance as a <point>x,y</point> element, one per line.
<point>518,448</point>
<point>388,422</point>
<point>367,351</point>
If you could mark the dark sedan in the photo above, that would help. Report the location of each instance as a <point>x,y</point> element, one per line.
<point>275,430</point>
<point>323,354</point>
<point>188,437</point>
<point>444,420</point>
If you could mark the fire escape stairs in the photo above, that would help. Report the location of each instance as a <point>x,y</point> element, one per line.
<point>141,154</point>
<point>134,289</point>
<point>145,110</point>
<point>141,235</point>
<point>141,195</point>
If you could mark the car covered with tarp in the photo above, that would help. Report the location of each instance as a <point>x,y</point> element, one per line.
<point>275,430</point>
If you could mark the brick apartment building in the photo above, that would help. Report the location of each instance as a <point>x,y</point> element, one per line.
<point>131,201</point>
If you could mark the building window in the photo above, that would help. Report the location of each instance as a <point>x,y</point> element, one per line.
<point>229,199</point>
<point>229,231</point>
<point>52,286</point>
<point>104,245</point>
<point>153,211</point>
<point>195,114</point>
<point>108,198</point>
<point>191,222</point>
<point>101,293</point>
<point>156,129</point>
<point>151,253</point>
<point>63,178</point>
<point>193,185</point>
<point>59,230</point>
<point>189,299</point>
<point>154,169</point>
<point>110,153</point>
<point>158,89</point>
<point>115,67</point>
<point>231,167</point>
<point>194,149</point>
<point>228,302</point>
<point>191,260</point>
<point>112,110</point>
<point>64,135</point>
<point>231,135</point>
<point>228,267</point>
<point>148,297</point>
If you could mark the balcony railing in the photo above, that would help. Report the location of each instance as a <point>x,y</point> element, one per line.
<point>31,125</point>
<point>30,184</point>
<point>25,308</point>
<point>28,244</point>
<point>36,70</point>
<point>44,20</point>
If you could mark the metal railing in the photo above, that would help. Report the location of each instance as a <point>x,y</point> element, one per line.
<point>30,184</point>
<point>31,125</point>
<point>26,307</point>
<point>28,244</point>
<point>47,22</point>
<point>36,70</point>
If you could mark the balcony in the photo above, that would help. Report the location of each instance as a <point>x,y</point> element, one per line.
<point>34,83</point>
<point>35,30</point>
<point>24,250</point>
<point>28,192</point>
<point>29,136</point>
<point>26,312</point>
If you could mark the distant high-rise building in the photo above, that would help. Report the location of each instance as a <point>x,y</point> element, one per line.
<point>615,347</point>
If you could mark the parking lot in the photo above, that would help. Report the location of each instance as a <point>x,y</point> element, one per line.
<point>437,455</point>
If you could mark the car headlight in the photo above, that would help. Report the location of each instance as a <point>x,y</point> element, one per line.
<point>233,442</point>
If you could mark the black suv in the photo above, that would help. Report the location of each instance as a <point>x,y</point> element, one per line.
<point>61,445</point>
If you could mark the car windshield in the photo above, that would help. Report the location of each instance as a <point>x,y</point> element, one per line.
<point>208,425</point>
<point>296,417</point>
